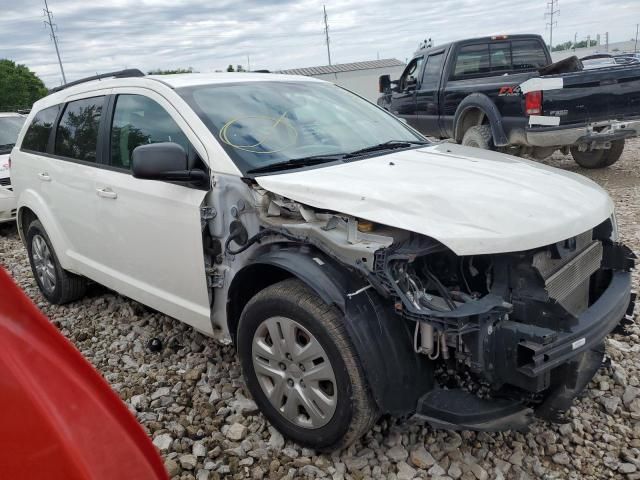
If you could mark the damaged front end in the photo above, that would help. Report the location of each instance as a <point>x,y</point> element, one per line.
<point>507,335</point>
<point>526,329</point>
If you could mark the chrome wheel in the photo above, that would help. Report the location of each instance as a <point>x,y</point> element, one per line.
<point>294,372</point>
<point>43,263</point>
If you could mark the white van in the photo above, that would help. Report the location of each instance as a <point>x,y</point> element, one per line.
<point>346,256</point>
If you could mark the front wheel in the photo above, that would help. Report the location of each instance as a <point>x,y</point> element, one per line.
<point>598,158</point>
<point>301,368</point>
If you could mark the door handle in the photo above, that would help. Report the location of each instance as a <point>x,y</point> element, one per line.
<point>44,176</point>
<point>106,193</point>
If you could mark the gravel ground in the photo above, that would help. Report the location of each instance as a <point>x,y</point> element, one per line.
<point>190,396</point>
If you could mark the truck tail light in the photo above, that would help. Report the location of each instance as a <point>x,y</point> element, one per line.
<point>533,103</point>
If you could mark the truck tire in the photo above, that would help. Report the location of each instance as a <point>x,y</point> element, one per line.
<point>56,284</point>
<point>479,136</point>
<point>301,368</point>
<point>598,158</point>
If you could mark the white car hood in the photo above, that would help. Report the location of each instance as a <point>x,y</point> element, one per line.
<point>473,201</point>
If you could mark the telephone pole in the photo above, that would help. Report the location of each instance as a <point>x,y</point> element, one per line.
<point>552,10</point>
<point>575,40</point>
<point>54,38</point>
<point>326,32</point>
<point>635,49</point>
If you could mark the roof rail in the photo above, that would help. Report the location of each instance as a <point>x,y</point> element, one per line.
<point>129,72</point>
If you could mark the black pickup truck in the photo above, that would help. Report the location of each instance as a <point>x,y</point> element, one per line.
<point>504,93</point>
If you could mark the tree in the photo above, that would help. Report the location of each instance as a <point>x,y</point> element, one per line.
<point>19,86</point>
<point>170,72</point>
<point>230,68</point>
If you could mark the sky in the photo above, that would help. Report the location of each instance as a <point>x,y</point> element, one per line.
<point>208,35</point>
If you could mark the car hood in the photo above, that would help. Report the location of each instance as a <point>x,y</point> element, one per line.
<point>473,201</point>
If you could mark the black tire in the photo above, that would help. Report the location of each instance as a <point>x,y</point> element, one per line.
<point>67,286</point>
<point>598,158</point>
<point>355,411</point>
<point>479,136</point>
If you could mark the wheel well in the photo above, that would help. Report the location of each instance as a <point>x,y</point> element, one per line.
<point>470,118</point>
<point>246,284</point>
<point>25,217</point>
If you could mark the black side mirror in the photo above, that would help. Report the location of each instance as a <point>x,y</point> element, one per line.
<point>412,83</point>
<point>384,83</point>
<point>164,161</point>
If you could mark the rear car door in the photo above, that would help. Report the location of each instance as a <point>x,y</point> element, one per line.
<point>403,96</point>
<point>152,247</point>
<point>427,96</point>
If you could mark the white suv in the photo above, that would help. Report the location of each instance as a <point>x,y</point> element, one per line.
<point>347,257</point>
<point>10,125</point>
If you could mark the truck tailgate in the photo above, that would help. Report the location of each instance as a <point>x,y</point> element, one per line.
<point>595,95</point>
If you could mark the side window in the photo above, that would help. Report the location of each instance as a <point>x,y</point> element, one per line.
<point>77,134</point>
<point>528,55</point>
<point>432,72</point>
<point>37,136</point>
<point>500,56</point>
<point>411,73</point>
<point>472,60</point>
<point>138,120</point>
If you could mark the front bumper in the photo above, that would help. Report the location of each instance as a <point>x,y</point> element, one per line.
<point>597,133</point>
<point>7,205</point>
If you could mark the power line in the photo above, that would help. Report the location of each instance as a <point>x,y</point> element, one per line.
<point>552,9</point>
<point>53,36</point>
<point>326,33</point>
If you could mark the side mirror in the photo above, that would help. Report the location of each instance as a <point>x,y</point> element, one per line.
<point>412,83</point>
<point>384,83</point>
<point>164,161</point>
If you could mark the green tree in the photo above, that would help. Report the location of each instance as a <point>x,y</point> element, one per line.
<point>169,72</point>
<point>19,86</point>
<point>230,68</point>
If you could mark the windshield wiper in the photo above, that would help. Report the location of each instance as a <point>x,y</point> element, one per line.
<point>389,145</point>
<point>297,163</point>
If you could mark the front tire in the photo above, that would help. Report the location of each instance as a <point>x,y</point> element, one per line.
<point>301,368</point>
<point>479,136</point>
<point>598,158</point>
<point>56,284</point>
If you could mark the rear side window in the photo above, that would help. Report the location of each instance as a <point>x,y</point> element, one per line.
<point>138,120</point>
<point>37,136</point>
<point>77,134</point>
<point>472,60</point>
<point>528,55</point>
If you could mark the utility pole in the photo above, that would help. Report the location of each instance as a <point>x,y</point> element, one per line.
<point>606,41</point>
<point>552,9</point>
<point>248,64</point>
<point>635,49</point>
<point>575,40</point>
<point>53,36</point>
<point>326,32</point>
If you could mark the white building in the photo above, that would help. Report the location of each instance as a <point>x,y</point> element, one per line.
<point>360,77</point>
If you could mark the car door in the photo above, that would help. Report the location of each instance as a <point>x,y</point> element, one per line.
<point>152,238</point>
<point>403,96</point>
<point>427,96</point>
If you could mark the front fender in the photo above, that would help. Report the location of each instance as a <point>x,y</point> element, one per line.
<point>383,341</point>
<point>486,105</point>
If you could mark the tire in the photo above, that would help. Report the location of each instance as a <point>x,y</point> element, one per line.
<point>479,136</point>
<point>598,158</point>
<point>291,307</point>
<point>56,284</point>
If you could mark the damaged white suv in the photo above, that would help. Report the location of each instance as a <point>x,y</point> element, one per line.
<point>360,269</point>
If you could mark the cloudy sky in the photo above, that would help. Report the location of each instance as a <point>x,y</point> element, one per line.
<point>99,35</point>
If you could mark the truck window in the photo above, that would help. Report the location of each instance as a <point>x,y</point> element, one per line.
<point>472,60</point>
<point>500,56</point>
<point>432,70</point>
<point>528,55</point>
<point>411,73</point>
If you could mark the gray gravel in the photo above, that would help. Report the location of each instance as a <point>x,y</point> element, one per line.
<point>191,400</point>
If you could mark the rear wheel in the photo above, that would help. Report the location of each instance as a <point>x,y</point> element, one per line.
<point>598,158</point>
<point>301,368</point>
<point>56,284</point>
<point>479,136</point>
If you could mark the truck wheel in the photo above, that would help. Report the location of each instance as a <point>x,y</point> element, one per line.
<point>56,284</point>
<point>598,158</point>
<point>301,368</point>
<point>479,136</point>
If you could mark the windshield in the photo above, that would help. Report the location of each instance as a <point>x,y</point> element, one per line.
<point>265,123</point>
<point>9,130</point>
